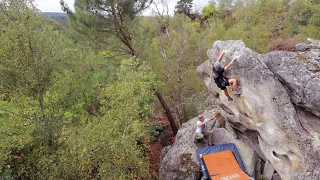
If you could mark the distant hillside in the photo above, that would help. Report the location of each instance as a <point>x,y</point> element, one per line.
<point>56,15</point>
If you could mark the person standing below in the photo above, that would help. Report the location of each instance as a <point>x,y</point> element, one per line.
<point>201,133</point>
<point>223,82</point>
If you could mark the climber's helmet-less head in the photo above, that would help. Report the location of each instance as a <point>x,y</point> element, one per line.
<point>200,118</point>
<point>217,65</point>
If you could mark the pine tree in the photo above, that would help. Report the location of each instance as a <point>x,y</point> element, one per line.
<point>108,17</point>
<point>184,7</point>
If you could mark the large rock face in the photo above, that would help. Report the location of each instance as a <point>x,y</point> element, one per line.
<point>277,116</point>
<point>299,74</point>
<point>280,101</point>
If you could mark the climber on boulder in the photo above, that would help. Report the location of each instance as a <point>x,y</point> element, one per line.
<point>201,132</point>
<point>223,82</point>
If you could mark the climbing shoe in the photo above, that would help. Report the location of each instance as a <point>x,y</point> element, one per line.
<point>230,99</point>
<point>237,93</point>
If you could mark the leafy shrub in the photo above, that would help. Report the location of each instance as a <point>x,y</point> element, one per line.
<point>288,44</point>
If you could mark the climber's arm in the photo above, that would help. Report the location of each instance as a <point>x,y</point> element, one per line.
<point>201,124</point>
<point>230,64</point>
<point>220,57</point>
<point>205,121</point>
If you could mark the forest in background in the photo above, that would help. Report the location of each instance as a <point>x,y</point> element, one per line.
<point>76,98</point>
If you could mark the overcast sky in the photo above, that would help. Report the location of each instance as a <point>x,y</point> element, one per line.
<point>51,5</point>
<point>54,5</point>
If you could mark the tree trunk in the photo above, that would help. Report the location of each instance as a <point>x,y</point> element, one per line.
<point>120,32</point>
<point>46,126</point>
<point>179,67</point>
<point>170,82</point>
<point>168,112</point>
<point>180,85</point>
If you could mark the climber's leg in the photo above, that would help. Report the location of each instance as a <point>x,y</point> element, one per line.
<point>209,136</point>
<point>233,82</point>
<point>227,94</point>
<point>199,135</point>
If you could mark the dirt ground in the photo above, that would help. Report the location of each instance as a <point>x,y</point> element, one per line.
<point>155,147</point>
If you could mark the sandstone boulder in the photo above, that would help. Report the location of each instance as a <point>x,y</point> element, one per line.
<point>276,176</point>
<point>268,171</point>
<point>275,121</point>
<point>277,90</point>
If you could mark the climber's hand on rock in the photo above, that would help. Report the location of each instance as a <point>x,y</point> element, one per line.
<point>235,58</point>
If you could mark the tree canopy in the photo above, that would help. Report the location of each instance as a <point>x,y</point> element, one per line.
<point>108,18</point>
<point>184,6</point>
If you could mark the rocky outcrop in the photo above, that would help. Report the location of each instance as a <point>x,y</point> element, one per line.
<point>299,74</point>
<point>276,119</point>
<point>280,94</point>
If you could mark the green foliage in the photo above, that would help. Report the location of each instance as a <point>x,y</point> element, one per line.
<point>48,84</point>
<point>15,132</point>
<point>107,143</point>
<point>315,1</point>
<point>181,31</point>
<point>27,59</point>
<point>209,12</point>
<point>303,17</point>
<point>301,12</point>
<point>315,19</point>
<point>311,31</point>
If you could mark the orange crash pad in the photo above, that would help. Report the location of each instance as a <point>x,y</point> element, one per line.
<point>224,166</point>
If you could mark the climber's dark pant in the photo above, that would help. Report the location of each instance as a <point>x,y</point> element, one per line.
<point>224,84</point>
